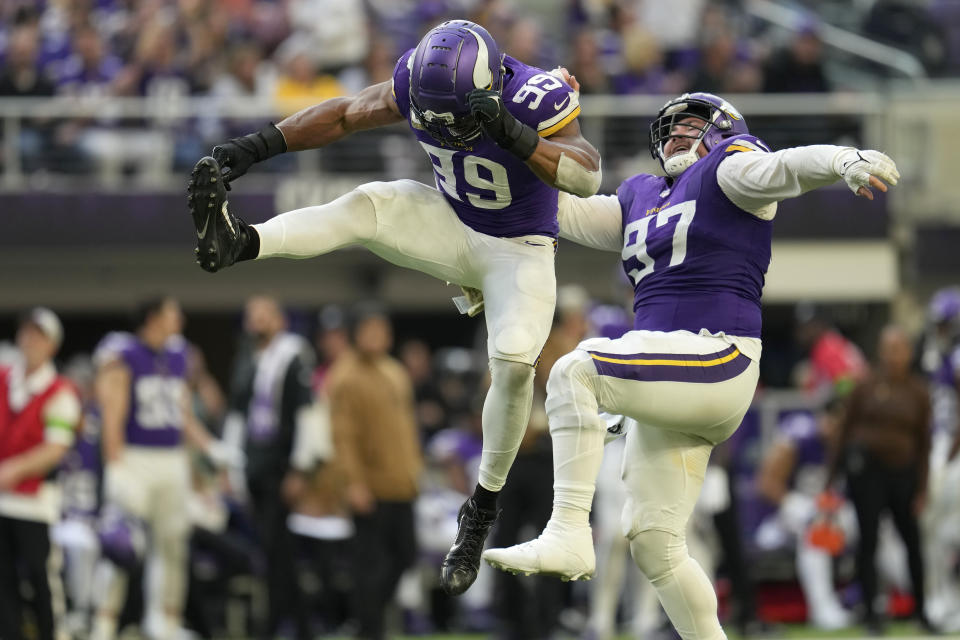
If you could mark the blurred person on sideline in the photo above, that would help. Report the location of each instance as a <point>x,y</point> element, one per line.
<point>834,363</point>
<point>378,447</point>
<point>791,475</point>
<point>798,67</point>
<point>80,477</point>
<point>271,417</point>
<point>503,138</point>
<point>940,362</point>
<point>146,415</point>
<point>39,415</point>
<point>432,412</point>
<point>883,452</point>
<point>688,371</point>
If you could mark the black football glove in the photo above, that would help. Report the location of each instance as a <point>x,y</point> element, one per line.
<point>497,122</point>
<point>237,155</point>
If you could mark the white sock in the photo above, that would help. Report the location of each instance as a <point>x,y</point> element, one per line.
<point>506,412</point>
<point>577,432</point>
<point>685,591</point>
<point>314,231</point>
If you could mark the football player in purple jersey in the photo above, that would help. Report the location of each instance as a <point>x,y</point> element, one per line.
<point>695,244</point>
<point>940,361</point>
<point>503,138</point>
<point>145,416</point>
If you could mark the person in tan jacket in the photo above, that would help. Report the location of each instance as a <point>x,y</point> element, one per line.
<point>378,448</point>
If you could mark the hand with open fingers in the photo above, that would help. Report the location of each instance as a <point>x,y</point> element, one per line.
<point>864,169</point>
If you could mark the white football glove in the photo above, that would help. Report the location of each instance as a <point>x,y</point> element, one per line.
<point>856,167</point>
<point>225,455</point>
<point>118,480</point>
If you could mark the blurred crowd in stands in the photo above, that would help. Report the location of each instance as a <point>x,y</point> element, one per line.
<point>288,54</point>
<point>331,495</point>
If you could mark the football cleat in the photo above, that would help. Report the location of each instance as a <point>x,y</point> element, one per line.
<point>566,554</point>
<point>221,236</point>
<point>460,567</point>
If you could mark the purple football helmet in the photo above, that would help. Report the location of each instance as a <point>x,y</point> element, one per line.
<point>945,306</point>
<point>453,59</point>
<point>123,538</point>
<point>722,121</point>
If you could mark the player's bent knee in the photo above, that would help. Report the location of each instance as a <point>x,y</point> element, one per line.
<point>574,366</point>
<point>510,374</point>
<point>657,553</point>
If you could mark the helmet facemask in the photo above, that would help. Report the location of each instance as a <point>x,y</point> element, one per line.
<point>447,128</point>
<point>710,118</point>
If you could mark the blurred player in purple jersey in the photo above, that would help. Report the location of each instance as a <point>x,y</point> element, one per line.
<point>502,138</point>
<point>696,245</point>
<point>145,415</point>
<point>940,360</point>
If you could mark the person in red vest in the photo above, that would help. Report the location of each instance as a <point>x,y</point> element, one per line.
<point>39,414</point>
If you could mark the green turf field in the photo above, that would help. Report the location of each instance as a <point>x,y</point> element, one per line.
<point>904,630</point>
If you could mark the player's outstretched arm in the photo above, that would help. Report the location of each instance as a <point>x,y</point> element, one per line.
<point>755,180</point>
<point>311,128</point>
<point>565,160</point>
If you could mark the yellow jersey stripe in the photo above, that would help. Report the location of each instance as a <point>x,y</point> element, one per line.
<point>672,363</point>
<point>549,131</point>
<point>738,147</point>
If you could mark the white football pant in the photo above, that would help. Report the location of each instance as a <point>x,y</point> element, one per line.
<point>686,392</point>
<point>412,225</point>
<point>156,489</point>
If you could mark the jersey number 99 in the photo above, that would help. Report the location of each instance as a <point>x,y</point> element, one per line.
<point>495,183</point>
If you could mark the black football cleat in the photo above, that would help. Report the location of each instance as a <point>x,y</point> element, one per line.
<point>459,568</point>
<point>221,236</point>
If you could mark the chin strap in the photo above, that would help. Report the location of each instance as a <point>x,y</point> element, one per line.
<point>680,162</point>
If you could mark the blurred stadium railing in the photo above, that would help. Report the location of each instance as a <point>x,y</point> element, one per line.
<point>109,175</point>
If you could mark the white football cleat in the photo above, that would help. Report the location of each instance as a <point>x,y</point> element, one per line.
<point>567,554</point>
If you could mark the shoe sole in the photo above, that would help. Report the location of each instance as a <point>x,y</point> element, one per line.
<point>566,577</point>
<point>205,197</point>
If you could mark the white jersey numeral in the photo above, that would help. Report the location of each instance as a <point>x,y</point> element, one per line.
<point>635,238</point>
<point>158,402</point>
<point>537,86</point>
<point>496,184</point>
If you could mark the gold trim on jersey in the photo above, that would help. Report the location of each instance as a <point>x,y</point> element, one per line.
<point>552,129</point>
<point>672,363</point>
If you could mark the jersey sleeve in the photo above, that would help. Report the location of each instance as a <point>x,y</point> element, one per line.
<point>545,102</point>
<point>745,144</point>
<point>61,415</point>
<point>756,181</point>
<point>595,222</point>
<point>114,347</point>
<point>401,83</point>
<point>797,427</point>
<point>955,361</point>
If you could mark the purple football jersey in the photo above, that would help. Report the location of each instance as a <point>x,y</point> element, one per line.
<point>80,470</point>
<point>810,451</point>
<point>157,387</point>
<point>491,190</point>
<point>696,260</point>
<point>943,393</point>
